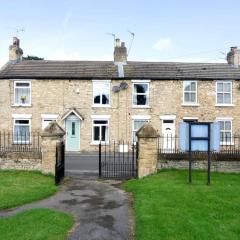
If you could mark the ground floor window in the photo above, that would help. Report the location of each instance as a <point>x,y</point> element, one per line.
<point>47,118</point>
<point>137,124</point>
<point>225,131</point>
<point>21,131</point>
<point>100,130</point>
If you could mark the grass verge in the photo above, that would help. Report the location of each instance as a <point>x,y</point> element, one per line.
<point>36,224</point>
<point>20,187</point>
<point>167,207</point>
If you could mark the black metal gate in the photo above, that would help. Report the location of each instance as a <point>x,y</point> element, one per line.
<point>60,162</point>
<point>118,160</point>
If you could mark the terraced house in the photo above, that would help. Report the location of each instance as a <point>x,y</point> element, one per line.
<point>107,100</point>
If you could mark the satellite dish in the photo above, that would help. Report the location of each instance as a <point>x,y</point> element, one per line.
<point>123,85</point>
<point>116,89</point>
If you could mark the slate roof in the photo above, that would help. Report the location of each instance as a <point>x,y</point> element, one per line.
<point>107,70</point>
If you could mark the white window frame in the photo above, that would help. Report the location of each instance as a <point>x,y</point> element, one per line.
<point>224,104</point>
<point>30,94</point>
<point>138,118</point>
<point>196,92</point>
<point>22,117</point>
<point>49,118</point>
<point>134,82</point>
<point>100,118</point>
<point>226,119</point>
<point>108,82</point>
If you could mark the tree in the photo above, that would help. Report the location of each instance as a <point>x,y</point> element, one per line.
<point>29,57</point>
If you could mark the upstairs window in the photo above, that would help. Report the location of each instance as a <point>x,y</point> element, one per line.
<point>101,93</point>
<point>140,94</point>
<point>22,93</point>
<point>224,93</point>
<point>189,92</point>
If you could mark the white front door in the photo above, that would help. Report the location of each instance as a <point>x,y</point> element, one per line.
<point>168,132</point>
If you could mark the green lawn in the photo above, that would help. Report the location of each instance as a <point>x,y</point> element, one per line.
<point>36,224</point>
<point>20,187</point>
<point>167,207</point>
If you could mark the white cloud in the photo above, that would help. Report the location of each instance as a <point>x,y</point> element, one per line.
<point>163,44</point>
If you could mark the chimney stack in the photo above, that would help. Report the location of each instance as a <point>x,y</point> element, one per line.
<point>120,52</point>
<point>15,52</point>
<point>233,57</point>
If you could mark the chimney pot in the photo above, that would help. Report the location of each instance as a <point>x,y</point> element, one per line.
<point>15,52</point>
<point>120,52</point>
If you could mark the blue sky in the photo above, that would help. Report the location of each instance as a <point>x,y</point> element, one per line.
<point>197,31</point>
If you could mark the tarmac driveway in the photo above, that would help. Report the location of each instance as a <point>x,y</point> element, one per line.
<point>101,209</point>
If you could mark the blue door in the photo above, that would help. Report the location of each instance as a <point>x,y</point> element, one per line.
<point>73,133</point>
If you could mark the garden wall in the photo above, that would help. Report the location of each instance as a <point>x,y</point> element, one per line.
<point>216,166</point>
<point>21,160</point>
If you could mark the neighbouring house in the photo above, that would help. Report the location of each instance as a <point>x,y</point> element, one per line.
<point>111,100</point>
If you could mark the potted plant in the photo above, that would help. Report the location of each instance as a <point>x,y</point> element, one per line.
<point>23,99</point>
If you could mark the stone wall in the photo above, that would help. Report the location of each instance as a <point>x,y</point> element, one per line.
<point>166,98</point>
<point>216,166</point>
<point>21,161</point>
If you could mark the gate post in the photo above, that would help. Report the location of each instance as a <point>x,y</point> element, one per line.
<point>147,150</point>
<point>51,136</point>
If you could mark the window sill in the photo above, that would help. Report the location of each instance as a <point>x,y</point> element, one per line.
<point>190,104</point>
<point>225,144</point>
<point>97,143</point>
<point>224,105</point>
<point>140,106</point>
<point>21,105</point>
<point>101,106</point>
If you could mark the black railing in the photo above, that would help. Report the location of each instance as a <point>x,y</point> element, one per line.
<point>117,160</point>
<point>168,148</point>
<point>20,142</point>
<point>60,162</point>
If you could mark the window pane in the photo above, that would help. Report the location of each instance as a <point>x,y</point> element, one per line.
<point>141,100</point>
<point>22,95</point>
<point>220,98</point>
<point>219,87</point>
<point>105,99</point>
<point>221,125</point>
<point>187,86</point>
<point>101,93</point>
<point>193,86</point>
<point>227,98</point>
<point>96,133</point>
<point>140,88</point>
<point>228,125</point>
<point>97,99</point>
<point>227,87</point>
<point>186,97</point>
<point>21,134</point>
<point>104,133</point>
<point>100,122</point>
<point>139,123</point>
<point>73,128</point>
<point>22,121</point>
<point>22,84</point>
<point>193,97</point>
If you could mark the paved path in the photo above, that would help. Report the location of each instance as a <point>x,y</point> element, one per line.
<point>101,209</point>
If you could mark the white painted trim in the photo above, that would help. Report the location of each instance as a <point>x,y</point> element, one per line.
<point>106,81</point>
<point>22,116</point>
<point>190,104</point>
<point>148,93</point>
<point>49,116</point>
<point>101,106</point>
<point>141,117</point>
<point>190,118</point>
<point>224,118</point>
<point>224,105</point>
<point>72,111</point>
<point>141,81</point>
<point>168,117</point>
<point>100,116</point>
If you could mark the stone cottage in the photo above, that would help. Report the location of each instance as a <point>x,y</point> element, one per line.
<point>111,100</point>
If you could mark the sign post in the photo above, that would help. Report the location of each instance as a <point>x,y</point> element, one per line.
<point>200,140</point>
